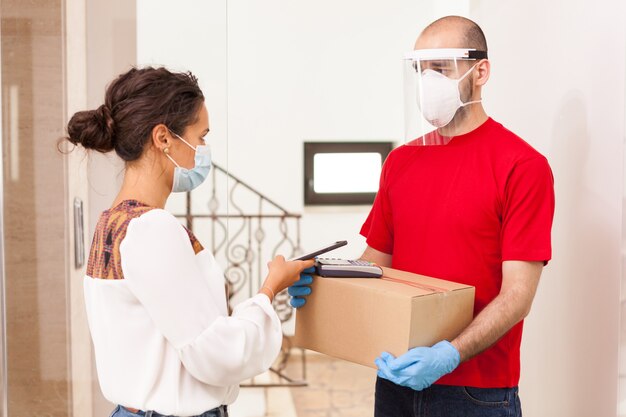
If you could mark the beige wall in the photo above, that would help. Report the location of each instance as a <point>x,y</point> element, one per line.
<point>111,50</point>
<point>80,371</point>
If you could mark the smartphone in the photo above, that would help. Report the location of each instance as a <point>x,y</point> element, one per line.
<point>325,249</point>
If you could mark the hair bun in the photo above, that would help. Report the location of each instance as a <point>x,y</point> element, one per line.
<point>93,129</point>
<point>106,120</point>
<point>135,102</point>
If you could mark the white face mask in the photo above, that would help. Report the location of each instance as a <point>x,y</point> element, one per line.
<point>440,97</point>
<point>188,179</point>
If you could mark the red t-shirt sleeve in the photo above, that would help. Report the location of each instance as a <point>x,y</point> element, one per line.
<point>528,210</point>
<point>378,227</point>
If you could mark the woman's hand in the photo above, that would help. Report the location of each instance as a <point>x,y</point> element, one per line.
<point>282,274</point>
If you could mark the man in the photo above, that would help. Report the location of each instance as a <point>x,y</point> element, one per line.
<point>468,202</point>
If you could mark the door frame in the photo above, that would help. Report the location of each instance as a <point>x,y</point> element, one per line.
<point>3,351</point>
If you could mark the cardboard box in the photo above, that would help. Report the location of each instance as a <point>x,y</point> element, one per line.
<point>358,318</point>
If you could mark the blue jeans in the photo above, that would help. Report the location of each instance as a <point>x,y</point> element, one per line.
<point>445,401</point>
<point>123,412</point>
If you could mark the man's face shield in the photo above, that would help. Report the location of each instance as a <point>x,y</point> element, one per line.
<point>437,88</point>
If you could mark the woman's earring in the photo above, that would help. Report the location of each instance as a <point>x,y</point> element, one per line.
<point>166,151</point>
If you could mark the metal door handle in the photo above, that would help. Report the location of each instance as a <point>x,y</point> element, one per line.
<point>79,235</point>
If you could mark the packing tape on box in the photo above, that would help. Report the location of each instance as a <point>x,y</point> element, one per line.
<point>431,288</point>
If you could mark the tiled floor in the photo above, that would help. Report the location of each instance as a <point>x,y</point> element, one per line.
<point>335,388</point>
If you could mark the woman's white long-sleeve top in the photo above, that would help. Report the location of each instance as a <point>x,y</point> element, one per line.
<point>162,335</point>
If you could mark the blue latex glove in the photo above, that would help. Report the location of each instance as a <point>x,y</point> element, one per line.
<point>301,289</point>
<point>420,367</point>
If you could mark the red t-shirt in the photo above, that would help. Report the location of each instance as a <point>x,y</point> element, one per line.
<point>457,211</point>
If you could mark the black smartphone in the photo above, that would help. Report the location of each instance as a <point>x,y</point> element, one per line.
<point>325,249</point>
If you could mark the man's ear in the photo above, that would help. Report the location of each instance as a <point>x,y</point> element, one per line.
<point>160,137</point>
<point>484,69</point>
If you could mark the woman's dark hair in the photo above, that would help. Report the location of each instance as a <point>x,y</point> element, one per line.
<point>134,103</point>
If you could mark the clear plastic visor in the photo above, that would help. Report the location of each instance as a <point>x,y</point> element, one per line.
<point>437,91</point>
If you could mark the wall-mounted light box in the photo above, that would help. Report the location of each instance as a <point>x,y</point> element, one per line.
<point>343,173</point>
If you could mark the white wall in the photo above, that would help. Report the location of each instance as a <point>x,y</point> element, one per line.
<point>315,71</point>
<point>558,81</point>
<point>190,35</point>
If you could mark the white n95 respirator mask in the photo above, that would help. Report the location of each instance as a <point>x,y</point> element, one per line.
<point>440,97</point>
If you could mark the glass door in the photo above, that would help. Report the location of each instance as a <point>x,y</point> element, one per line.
<point>3,379</point>
<point>621,396</point>
<point>36,315</point>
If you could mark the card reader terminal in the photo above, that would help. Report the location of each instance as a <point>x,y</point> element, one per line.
<point>345,268</point>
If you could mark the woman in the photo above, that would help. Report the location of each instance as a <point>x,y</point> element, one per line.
<point>156,304</point>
